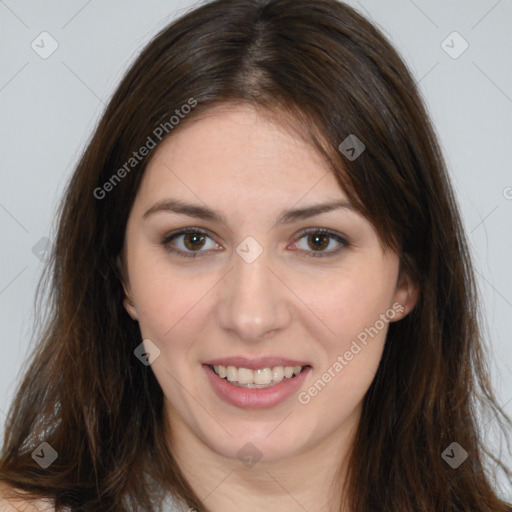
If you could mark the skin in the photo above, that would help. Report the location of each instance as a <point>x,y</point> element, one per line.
<point>285,303</point>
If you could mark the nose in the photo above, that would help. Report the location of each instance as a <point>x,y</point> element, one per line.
<point>253,301</point>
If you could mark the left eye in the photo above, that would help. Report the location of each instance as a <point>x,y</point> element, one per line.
<point>320,239</point>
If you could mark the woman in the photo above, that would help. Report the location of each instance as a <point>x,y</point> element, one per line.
<point>262,294</point>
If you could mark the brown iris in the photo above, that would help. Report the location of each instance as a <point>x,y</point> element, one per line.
<point>194,239</point>
<point>316,239</point>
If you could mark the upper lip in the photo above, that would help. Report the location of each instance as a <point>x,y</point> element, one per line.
<point>254,364</point>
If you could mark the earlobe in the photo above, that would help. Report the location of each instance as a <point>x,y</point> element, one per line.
<point>130,308</point>
<point>405,299</point>
<point>128,304</point>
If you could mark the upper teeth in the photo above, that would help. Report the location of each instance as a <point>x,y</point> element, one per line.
<point>261,376</point>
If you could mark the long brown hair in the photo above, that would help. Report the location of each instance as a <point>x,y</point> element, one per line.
<point>100,409</point>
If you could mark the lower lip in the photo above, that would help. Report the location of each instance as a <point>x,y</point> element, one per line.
<point>255,398</point>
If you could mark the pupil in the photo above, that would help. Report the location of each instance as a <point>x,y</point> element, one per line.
<point>317,238</point>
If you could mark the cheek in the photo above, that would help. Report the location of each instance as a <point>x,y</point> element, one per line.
<point>169,304</point>
<point>352,300</point>
<point>353,345</point>
<point>171,313</point>
<point>352,307</point>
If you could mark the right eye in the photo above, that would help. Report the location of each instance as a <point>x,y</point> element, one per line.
<point>192,241</point>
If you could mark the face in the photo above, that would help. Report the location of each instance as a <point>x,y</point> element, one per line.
<point>222,273</point>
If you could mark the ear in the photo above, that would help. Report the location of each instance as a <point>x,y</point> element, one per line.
<point>127,300</point>
<point>130,307</point>
<point>405,298</point>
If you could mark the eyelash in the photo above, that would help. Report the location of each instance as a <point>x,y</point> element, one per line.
<point>194,254</point>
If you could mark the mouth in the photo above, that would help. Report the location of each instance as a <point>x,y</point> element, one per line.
<point>256,383</point>
<point>257,378</point>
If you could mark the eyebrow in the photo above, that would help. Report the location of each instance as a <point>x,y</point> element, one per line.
<point>205,213</point>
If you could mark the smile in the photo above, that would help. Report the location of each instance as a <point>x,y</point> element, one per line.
<point>256,388</point>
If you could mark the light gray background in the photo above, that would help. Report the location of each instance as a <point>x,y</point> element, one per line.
<point>49,108</point>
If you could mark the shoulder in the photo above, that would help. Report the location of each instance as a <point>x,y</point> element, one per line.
<point>9,503</point>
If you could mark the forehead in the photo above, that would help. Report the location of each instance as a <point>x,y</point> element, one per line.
<point>240,149</point>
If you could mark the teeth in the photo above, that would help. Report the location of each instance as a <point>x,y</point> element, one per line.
<point>231,373</point>
<point>277,373</point>
<point>245,376</point>
<point>260,378</point>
